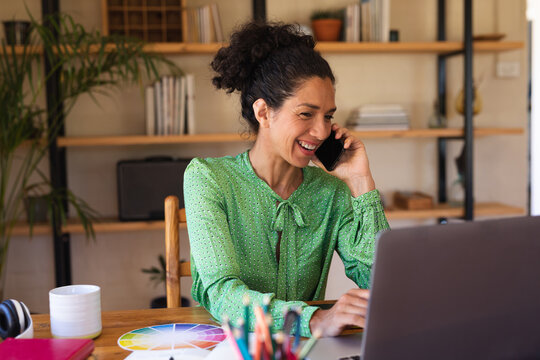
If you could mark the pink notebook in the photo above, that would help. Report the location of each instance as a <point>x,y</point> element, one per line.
<point>46,349</point>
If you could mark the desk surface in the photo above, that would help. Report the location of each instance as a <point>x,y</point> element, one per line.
<point>117,323</point>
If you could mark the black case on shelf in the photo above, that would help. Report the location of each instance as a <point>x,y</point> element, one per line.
<point>144,184</point>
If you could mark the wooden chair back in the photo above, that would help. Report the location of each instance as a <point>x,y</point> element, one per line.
<point>174,216</point>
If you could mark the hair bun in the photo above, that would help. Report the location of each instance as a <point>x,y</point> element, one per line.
<point>252,44</point>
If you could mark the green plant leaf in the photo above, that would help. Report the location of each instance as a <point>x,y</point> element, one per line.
<point>85,65</point>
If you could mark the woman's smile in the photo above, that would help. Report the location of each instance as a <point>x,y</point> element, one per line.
<point>307,147</point>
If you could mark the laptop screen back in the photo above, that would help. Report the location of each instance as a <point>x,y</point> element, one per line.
<point>463,291</point>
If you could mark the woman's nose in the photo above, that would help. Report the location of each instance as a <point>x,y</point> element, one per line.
<point>320,129</point>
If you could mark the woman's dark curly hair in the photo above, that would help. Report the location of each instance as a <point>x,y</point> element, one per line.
<point>268,61</point>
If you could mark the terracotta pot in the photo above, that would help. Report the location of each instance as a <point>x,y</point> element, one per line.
<point>326,29</point>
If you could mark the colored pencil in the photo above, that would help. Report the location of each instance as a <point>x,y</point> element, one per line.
<point>266,303</point>
<point>227,329</point>
<point>269,320</point>
<point>242,345</point>
<point>280,354</point>
<point>259,315</point>
<point>245,300</point>
<point>309,345</point>
<point>258,344</point>
<point>297,332</point>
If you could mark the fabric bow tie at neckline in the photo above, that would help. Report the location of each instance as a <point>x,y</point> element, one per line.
<point>281,212</point>
<point>287,213</point>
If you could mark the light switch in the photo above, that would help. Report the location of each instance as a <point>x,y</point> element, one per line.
<point>507,69</point>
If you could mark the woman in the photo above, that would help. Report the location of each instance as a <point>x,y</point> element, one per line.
<point>264,223</point>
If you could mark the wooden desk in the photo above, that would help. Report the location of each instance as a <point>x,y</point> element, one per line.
<point>117,323</point>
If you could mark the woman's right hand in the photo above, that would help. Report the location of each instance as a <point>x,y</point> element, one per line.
<point>349,310</point>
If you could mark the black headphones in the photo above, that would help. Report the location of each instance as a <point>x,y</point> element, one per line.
<point>14,318</point>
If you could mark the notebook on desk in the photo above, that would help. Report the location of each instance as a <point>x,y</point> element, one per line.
<point>461,291</point>
<point>46,349</point>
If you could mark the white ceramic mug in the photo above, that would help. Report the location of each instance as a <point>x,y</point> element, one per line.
<point>75,311</point>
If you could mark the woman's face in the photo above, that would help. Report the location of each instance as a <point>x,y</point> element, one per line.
<point>303,121</point>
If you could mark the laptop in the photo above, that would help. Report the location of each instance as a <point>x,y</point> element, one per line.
<point>458,291</point>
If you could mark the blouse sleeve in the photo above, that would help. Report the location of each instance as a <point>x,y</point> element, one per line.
<point>358,230</point>
<point>217,284</point>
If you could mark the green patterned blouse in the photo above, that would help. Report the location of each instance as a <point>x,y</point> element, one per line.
<point>234,224</point>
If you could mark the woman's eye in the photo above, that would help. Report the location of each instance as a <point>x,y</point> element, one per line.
<point>329,117</point>
<point>305,114</point>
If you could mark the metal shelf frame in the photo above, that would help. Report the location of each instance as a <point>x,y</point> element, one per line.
<point>57,155</point>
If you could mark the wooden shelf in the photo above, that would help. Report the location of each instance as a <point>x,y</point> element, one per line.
<point>149,140</point>
<point>22,229</point>
<point>223,138</point>
<point>143,8</point>
<point>430,133</point>
<point>179,48</point>
<point>19,50</point>
<point>113,225</point>
<point>102,226</point>
<point>436,47</point>
<point>445,210</point>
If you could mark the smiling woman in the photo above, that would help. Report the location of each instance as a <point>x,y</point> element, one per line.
<point>264,223</point>
<point>301,123</point>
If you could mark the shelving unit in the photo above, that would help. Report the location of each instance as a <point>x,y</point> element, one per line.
<point>442,49</point>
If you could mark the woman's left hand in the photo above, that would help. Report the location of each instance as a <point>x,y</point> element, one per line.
<point>353,166</point>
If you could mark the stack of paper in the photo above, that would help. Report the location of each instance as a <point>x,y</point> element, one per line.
<point>378,117</point>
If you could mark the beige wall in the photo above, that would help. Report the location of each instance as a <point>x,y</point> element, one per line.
<point>113,261</point>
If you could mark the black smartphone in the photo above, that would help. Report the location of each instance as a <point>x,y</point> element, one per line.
<point>330,151</point>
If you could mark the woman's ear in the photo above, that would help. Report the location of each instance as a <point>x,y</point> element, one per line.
<point>262,113</point>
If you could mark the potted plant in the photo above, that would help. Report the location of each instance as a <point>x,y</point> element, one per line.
<point>326,24</point>
<point>87,63</point>
<point>157,277</point>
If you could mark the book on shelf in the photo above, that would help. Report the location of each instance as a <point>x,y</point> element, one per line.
<point>203,24</point>
<point>190,104</point>
<point>385,20</point>
<point>149,110</point>
<point>217,23</point>
<point>378,127</point>
<point>180,101</point>
<point>165,104</point>
<point>352,23</point>
<point>378,117</point>
<point>158,109</point>
<point>169,103</point>
<point>374,20</point>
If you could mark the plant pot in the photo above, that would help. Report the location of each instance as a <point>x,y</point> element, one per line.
<point>326,29</point>
<point>161,302</point>
<point>16,32</point>
<point>158,302</point>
